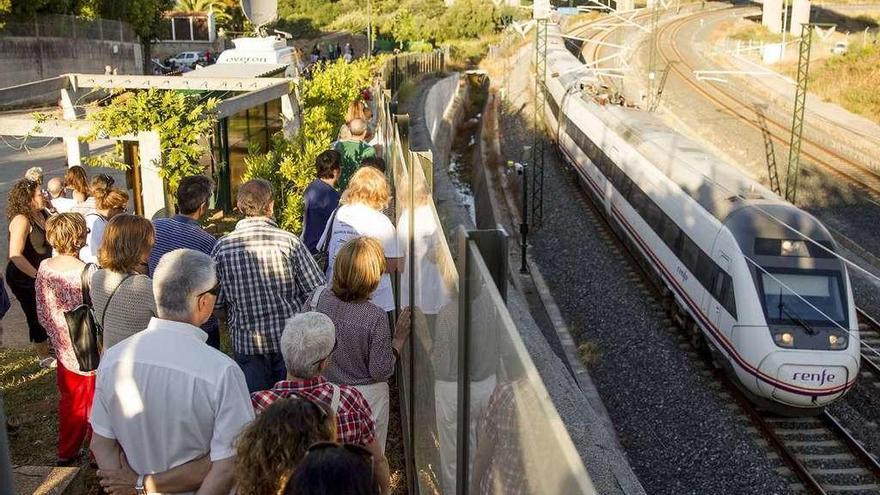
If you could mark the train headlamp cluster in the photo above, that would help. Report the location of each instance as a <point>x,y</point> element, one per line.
<point>784,339</point>
<point>794,248</point>
<point>837,340</point>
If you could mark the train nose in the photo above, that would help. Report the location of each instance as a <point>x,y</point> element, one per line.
<point>806,385</point>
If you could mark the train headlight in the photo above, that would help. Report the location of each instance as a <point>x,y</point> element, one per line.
<point>837,341</point>
<point>784,339</point>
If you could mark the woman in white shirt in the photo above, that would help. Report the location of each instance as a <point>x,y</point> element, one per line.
<point>360,214</point>
<point>108,203</point>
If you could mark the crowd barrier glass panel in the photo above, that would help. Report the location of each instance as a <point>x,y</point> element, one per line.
<point>517,441</point>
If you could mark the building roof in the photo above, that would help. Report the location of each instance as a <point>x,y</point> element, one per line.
<point>242,71</point>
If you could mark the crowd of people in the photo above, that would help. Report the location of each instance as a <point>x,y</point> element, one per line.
<point>300,406</point>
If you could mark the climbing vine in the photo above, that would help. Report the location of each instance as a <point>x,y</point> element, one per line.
<point>290,164</point>
<point>181,119</point>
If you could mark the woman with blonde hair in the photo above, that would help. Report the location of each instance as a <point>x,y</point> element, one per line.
<point>28,247</point>
<point>108,204</point>
<point>59,289</point>
<point>269,449</point>
<point>360,214</point>
<point>76,180</point>
<point>122,293</point>
<point>366,353</point>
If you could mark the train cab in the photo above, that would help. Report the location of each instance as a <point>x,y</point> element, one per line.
<point>810,354</point>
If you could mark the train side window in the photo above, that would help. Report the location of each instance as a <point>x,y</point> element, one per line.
<point>652,214</point>
<point>705,269</point>
<point>637,200</point>
<point>689,253</point>
<point>671,233</point>
<point>617,178</point>
<point>626,187</point>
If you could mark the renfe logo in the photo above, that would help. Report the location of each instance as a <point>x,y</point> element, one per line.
<point>815,377</point>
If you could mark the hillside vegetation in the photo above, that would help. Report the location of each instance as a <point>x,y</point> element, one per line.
<point>851,80</point>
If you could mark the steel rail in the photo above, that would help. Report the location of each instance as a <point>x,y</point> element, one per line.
<point>854,446</point>
<point>873,325</point>
<point>718,96</point>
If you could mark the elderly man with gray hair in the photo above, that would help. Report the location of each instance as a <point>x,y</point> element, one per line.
<point>165,399</point>
<point>306,345</point>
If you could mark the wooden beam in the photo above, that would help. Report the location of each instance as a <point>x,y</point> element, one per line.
<point>171,82</point>
<point>238,103</point>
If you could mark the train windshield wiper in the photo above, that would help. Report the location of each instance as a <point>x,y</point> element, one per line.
<point>783,309</point>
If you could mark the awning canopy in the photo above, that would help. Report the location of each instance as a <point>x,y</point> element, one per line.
<point>238,71</point>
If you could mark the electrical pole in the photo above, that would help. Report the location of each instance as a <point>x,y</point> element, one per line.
<point>541,13</point>
<point>652,54</point>
<point>800,102</point>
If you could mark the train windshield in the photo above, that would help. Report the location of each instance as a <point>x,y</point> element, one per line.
<point>798,297</point>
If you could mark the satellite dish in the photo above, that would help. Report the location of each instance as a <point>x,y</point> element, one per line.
<point>260,12</point>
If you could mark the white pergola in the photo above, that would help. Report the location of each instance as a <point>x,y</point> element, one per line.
<point>74,125</point>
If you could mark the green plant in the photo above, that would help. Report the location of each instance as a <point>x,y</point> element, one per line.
<point>182,120</point>
<point>289,164</point>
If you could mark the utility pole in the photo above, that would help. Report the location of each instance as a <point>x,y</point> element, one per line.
<point>541,14</point>
<point>652,54</point>
<point>800,102</point>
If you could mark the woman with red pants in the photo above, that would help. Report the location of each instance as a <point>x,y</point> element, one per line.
<point>59,289</point>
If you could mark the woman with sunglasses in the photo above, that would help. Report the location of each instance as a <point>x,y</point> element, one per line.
<point>28,247</point>
<point>122,293</point>
<point>334,469</point>
<point>270,448</point>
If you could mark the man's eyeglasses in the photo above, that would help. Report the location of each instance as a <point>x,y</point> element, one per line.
<point>335,345</point>
<point>214,291</point>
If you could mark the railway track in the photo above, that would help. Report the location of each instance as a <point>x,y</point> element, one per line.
<point>819,453</point>
<point>869,333</point>
<point>779,130</point>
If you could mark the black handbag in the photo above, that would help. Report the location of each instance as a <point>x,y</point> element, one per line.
<point>85,332</point>
<point>322,257</point>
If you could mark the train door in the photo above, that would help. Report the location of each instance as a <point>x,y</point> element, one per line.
<point>718,289</point>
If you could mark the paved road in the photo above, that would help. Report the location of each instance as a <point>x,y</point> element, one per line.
<point>13,164</point>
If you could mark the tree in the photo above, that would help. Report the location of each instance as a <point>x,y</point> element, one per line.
<point>218,7</point>
<point>145,16</point>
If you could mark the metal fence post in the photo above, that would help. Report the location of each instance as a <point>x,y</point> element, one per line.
<point>462,474</point>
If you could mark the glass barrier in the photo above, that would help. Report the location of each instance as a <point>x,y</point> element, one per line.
<point>517,441</point>
<point>514,441</point>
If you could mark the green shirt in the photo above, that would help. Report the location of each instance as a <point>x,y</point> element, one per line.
<point>352,152</point>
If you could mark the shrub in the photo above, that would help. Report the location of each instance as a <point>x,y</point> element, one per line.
<point>289,164</point>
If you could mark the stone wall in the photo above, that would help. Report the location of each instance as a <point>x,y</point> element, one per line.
<point>26,59</point>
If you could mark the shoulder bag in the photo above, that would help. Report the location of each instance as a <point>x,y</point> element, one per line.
<point>322,257</point>
<point>85,331</point>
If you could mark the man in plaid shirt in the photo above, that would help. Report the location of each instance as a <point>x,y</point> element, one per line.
<point>266,274</point>
<point>306,345</point>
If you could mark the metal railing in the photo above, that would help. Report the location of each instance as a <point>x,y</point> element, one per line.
<point>476,415</point>
<point>71,27</point>
<point>403,67</point>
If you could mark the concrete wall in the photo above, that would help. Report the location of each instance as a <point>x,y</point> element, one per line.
<point>27,59</point>
<point>771,15</point>
<point>442,115</point>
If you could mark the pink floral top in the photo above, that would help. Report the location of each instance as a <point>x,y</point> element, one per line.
<point>58,292</point>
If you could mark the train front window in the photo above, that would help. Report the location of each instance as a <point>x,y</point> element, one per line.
<point>799,297</point>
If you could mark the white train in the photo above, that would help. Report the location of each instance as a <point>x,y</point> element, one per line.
<point>705,228</point>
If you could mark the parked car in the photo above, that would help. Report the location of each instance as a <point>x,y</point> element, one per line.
<point>188,59</point>
<point>840,48</point>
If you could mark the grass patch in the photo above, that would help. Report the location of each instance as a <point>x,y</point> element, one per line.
<point>30,399</point>
<point>850,80</point>
<point>754,32</point>
<point>588,352</point>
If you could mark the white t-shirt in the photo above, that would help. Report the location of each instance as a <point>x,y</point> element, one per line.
<point>168,398</point>
<point>62,204</point>
<point>357,220</point>
<point>96,225</point>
